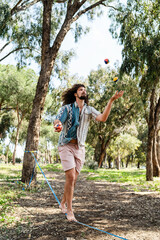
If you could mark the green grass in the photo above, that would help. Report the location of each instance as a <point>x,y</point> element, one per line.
<point>133,177</point>
<point>9,171</point>
<point>57,167</point>
<point>10,190</point>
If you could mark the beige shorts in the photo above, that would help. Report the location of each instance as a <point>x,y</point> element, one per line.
<point>71,156</point>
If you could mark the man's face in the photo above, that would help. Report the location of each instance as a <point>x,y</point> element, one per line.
<point>81,93</point>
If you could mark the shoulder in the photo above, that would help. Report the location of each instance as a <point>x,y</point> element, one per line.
<point>90,108</point>
<point>94,112</point>
<point>66,106</point>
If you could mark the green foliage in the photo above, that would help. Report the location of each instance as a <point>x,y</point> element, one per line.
<point>22,27</point>
<point>4,17</point>
<point>101,88</point>
<point>124,145</point>
<point>5,123</point>
<point>140,36</point>
<point>140,153</point>
<point>18,90</point>
<point>89,157</point>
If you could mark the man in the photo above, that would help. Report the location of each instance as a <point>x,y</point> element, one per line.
<point>74,118</point>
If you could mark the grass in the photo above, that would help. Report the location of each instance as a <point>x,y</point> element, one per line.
<point>131,178</point>
<point>11,188</point>
<point>57,167</point>
<point>10,191</point>
<point>135,178</point>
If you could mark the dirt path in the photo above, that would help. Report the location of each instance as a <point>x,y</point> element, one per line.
<point>107,206</point>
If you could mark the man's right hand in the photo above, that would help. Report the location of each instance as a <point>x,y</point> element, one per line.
<point>58,126</point>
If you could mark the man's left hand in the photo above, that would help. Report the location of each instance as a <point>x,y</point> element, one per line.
<point>117,95</point>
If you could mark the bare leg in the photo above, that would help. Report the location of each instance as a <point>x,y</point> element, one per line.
<point>71,177</point>
<point>62,205</point>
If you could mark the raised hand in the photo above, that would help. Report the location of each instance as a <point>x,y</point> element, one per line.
<point>117,95</point>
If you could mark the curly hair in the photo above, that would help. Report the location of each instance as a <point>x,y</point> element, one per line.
<point>68,95</point>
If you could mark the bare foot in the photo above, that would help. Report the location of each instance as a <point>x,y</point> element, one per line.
<point>71,217</point>
<point>63,208</point>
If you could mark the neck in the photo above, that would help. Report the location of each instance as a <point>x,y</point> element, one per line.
<point>80,103</point>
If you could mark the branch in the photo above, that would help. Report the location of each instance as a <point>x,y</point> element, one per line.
<point>15,50</point>
<point>14,8</point>
<point>127,112</point>
<point>69,4</point>
<point>22,7</point>
<point>87,9</point>
<point>5,46</point>
<point>101,2</point>
<point>117,9</point>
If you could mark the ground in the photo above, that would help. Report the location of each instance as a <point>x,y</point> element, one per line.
<point>110,207</point>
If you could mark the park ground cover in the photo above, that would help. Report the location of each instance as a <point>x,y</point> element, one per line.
<point>111,184</point>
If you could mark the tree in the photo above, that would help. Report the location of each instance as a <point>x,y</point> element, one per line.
<point>124,145</point>
<point>100,88</point>
<point>72,10</point>
<point>53,29</point>
<point>140,36</point>
<point>18,90</point>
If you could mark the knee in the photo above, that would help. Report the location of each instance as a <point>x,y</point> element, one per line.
<point>71,178</point>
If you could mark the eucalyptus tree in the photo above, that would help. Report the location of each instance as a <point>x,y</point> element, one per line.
<point>101,87</point>
<point>18,90</point>
<point>140,35</point>
<point>48,32</point>
<point>46,24</point>
<point>124,145</point>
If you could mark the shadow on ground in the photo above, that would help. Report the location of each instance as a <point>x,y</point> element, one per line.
<point>106,206</point>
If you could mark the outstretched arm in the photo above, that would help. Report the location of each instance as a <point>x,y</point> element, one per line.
<point>103,117</point>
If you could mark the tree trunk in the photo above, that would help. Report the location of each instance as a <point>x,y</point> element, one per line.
<point>39,100</point>
<point>118,161</point>
<point>138,165</point>
<point>156,167</point>
<point>49,55</point>
<point>57,159</point>
<point>103,151</point>
<point>102,154</point>
<point>109,162</point>
<point>16,142</point>
<point>6,158</point>
<point>158,146</point>
<point>128,159</point>
<point>50,157</point>
<point>149,165</point>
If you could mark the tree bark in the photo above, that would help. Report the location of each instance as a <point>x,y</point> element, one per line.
<point>118,161</point>
<point>158,146</point>
<point>128,159</point>
<point>109,162</point>
<point>156,165</point>
<point>39,100</point>
<point>17,136</point>
<point>156,168</point>
<point>15,147</point>
<point>103,151</point>
<point>149,164</point>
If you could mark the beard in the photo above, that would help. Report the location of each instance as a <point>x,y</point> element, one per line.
<point>83,97</point>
